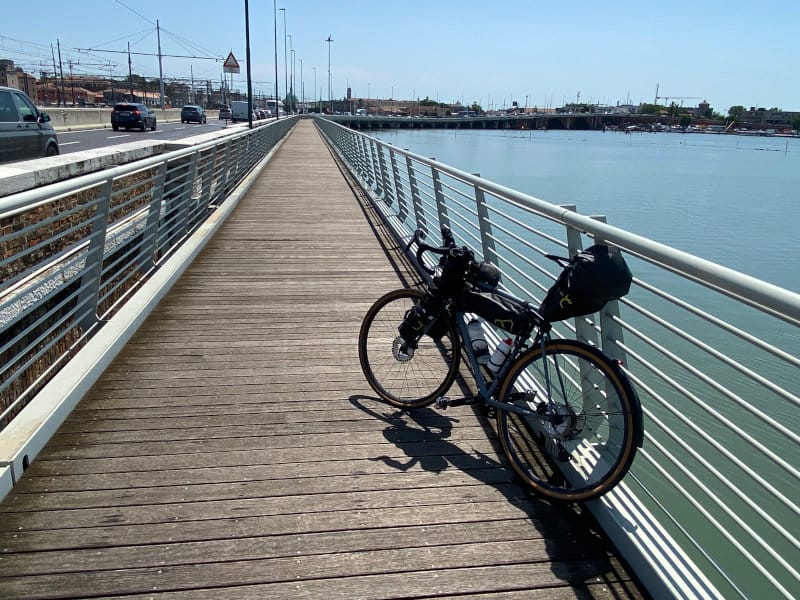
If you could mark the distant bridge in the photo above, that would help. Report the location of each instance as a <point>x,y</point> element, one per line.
<point>576,121</point>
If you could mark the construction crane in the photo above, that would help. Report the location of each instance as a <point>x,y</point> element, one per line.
<point>668,98</point>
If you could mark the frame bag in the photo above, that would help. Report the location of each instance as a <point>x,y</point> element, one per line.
<point>590,280</point>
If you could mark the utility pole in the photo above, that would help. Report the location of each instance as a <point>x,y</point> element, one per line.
<point>71,83</point>
<point>55,71</point>
<point>130,71</point>
<point>160,70</point>
<point>61,71</point>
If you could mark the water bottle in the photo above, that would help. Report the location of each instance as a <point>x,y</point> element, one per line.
<point>499,356</point>
<point>479,345</point>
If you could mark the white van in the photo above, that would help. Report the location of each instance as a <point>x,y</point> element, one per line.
<point>239,110</point>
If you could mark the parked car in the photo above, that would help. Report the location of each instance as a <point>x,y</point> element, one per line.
<point>193,114</point>
<point>225,112</point>
<point>132,114</point>
<point>24,131</point>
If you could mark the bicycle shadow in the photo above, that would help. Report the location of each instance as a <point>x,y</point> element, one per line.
<point>422,435</point>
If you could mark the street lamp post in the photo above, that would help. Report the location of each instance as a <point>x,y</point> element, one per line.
<point>291,71</point>
<point>285,57</point>
<point>330,98</point>
<point>247,52</point>
<point>275,36</point>
<point>315,87</point>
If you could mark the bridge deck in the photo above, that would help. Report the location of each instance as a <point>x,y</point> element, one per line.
<point>234,450</point>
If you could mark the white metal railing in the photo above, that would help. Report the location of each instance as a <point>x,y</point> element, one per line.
<point>73,252</point>
<point>713,353</point>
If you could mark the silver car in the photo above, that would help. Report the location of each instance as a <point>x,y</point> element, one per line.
<point>24,131</point>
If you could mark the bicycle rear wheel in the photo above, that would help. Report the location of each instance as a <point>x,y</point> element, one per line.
<point>580,444</point>
<point>414,377</point>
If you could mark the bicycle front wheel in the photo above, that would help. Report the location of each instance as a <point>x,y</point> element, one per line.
<point>582,421</point>
<point>407,377</point>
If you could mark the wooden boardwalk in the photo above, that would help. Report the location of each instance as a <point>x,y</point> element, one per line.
<point>234,450</point>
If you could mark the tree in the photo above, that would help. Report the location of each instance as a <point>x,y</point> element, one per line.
<point>736,112</point>
<point>650,109</point>
<point>685,120</point>
<point>796,124</point>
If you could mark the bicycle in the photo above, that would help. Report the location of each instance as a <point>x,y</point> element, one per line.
<point>567,416</point>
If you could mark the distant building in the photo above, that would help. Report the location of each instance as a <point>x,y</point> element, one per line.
<point>15,77</point>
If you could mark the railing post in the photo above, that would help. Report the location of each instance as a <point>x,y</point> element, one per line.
<point>375,179</point>
<point>583,331</point>
<point>362,152</point>
<point>90,281</point>
<point>226,166</point>
<point>384,178</point>
<point>441,207</point>
<point>611,331</point>
<point>485,226</point>
<point>419,211</point>
<point>402,209</point>
<point>149,247</point>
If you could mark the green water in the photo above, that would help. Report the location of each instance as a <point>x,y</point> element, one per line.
<point>731,200</point>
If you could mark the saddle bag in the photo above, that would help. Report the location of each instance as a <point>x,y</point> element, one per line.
<point>590,280</point>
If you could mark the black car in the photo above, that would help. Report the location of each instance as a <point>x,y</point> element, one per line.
<point>131,114</point>
<point>24,131</point>
<point>193,114</point>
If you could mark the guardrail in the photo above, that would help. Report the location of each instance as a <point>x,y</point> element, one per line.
<point>710,507</point>
<point>73,253</point>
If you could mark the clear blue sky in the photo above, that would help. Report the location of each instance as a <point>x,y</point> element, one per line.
<point>727,52</point>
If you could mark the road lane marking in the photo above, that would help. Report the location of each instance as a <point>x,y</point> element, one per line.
<point>68,143</point>
<point>113,137</point>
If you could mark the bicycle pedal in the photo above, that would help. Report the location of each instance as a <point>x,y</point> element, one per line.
<point>442,402</point>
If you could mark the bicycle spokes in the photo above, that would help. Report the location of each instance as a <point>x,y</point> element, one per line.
<point>566,425</point>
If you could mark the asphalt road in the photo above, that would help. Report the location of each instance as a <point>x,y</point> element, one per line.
<point>75,141</point>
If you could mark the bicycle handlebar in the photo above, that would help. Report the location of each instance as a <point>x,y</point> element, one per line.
<point>448,248</point>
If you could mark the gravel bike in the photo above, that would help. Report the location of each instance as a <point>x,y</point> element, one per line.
<point>568,418</point>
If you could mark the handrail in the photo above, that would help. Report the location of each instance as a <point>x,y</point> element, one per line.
<point>710,507</point>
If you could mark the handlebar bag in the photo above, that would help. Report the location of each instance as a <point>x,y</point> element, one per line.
<point>514,317</point>
<point>590,280</point>
<point>451,274</point>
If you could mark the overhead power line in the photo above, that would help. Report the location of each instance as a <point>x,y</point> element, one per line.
<point>150,54</point>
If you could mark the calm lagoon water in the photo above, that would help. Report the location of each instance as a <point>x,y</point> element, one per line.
<point>729,199</point>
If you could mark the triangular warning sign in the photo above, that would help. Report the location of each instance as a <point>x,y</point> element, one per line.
<point>231,65</point>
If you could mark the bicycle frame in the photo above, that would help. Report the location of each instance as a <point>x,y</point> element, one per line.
<point>486,389</point>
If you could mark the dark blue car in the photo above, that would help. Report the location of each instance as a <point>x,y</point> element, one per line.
<point>127,115</point>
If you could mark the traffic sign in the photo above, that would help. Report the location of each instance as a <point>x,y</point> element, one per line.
<point>231,65</point>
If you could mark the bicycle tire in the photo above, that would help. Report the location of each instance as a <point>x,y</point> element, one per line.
<point>401,380</point>
<point>589,446</point>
